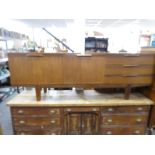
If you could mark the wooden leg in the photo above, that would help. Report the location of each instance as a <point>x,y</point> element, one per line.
<point>38,93</point>
<point>127,92</point>
<point>45,90</point>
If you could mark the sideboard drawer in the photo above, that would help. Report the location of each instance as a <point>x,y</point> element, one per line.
<point>37,121</point>
<point>124,109</point>
<point>82,109</point>
<point>124,119</point>
<point>123,130</point>
<point>36,111</point>
<point>39,132</point>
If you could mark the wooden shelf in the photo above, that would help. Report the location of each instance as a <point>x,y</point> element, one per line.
<point>4,76</point>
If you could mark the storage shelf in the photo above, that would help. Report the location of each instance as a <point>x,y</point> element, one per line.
<point>4,76</point>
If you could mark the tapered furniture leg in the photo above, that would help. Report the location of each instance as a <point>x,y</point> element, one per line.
<point>127,92</point>
<point>38,93</point>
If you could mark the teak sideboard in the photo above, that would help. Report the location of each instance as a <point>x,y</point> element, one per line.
<point>42,70</point>
<point>87,113</point>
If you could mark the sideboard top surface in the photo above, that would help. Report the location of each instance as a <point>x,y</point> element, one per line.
<point>64,98</point>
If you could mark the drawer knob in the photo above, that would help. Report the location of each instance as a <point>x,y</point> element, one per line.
<point>138,119</point>
<point>137,132</point>
<point>109,132</point>
<point>53,133</point>
<point>21,122</point>
<point>20,111</point>
<point>53,121</point>
<point>139,108</point>
<point>52,111</point>
<point>109,120</point>
<point>22,133</point>
<point>110,109</point>
<point>42,127</point>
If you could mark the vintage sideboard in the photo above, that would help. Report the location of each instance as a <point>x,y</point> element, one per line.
<point>66,112</point>
<point>96,70</point>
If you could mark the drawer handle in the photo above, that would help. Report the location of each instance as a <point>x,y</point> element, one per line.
<point>53,133</point>
<point>53,121</point>
<point>22,133</point>
<point>68,110</point>
<point>137,132</point>
<point>94,109</point>
<point>109,120</point>
<point>138,119</point>
<point>21,122</point>
<point>20,111</point>
<point>110,109</point>
<point>109,132</point>
<point>139,108</point>
<point>52,111</point>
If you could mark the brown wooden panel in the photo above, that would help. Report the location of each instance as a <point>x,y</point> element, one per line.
<point>132,130</point>
<point>125,109</point>
<point>127,80</point>
<point>110,70</point>
<point>141,59</point>
<point>73,124</point>
<point>31,131</point>
<point>71,69</point>
<point>125,119</point>
<point>34,121</point>
<point>81,109</point>
<point>39,111</point>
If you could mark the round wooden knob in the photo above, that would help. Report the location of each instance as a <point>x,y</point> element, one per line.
<point>139,108</point>
<point>21,122</point>
<point>53,121</point>
<point>137,132</point>
<point>109,132</point>
<point>138,119</point>
<point>109,120</point>
<point>110,109</point>
<point>20,111</point>
<point>52,111</point>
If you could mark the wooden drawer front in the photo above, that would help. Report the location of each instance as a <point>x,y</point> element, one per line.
<point>129,69</point>
<point>39,132</point>
<point>130,59</point>
<point>36,121</point>
<point>125,109</point>
<point>124,119</point>
<point>123,130</point>
<point>36,111</point>
<point>89,109</point>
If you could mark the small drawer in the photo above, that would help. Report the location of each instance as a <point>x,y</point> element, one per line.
<point>36,111</point>
<point>123,130</point>
<point>89,109</point>
<point>125,109</point>
<point>39,132</point>
<point>37,121</point>
<point>124,119</point>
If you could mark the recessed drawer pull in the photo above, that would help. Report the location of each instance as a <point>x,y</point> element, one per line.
<point>21,122</point>
<point>110,109</point>
<point>20,111</point>
<point>109,133</point>
<point>52,111</point>
<point>109,120</point>
<point>139,108</point>
<point>53,121</point>
<point>137,132</point>
<point>138,119</point>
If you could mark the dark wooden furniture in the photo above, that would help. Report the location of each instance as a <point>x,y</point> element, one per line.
<point>89,113</point>
<point>87,71</point>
